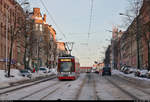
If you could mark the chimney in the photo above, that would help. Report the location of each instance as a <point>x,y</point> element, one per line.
<point>44,18</point>
<point>36,12</point>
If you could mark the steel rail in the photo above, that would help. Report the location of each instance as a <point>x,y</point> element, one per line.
<point>95,92</point>
<point>133,84</point>
<point>53,91</point>
<point>122,89</point>
<point>80,89</point>
<point>35,92</point>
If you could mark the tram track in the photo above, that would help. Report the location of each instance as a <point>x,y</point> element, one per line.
<point>90,82</point>
<point>18,87</point>
<point>51,92</point>
<point>95,92</point>
<point>80,89</point>
<point>135,85</point>
<point>122,89</point>
<point>135,81</point>
<point>37,91</point>
<point>131,90</point>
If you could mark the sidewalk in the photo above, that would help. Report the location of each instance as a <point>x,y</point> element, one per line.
<point>132,77</point>
<point>5,84</point>
<point>25,80</point>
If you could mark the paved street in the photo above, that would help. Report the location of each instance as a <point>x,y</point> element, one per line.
<point>89,86</point>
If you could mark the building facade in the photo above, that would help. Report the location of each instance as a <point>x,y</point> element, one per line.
<point>12,18</point>
<point>124,47</point>
<point>42,42</point>
<point>61,49</point>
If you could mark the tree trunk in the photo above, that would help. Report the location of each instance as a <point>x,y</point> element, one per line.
<point>47,57</point>
<point>148,55</point>
<point>10,54</point>
<point>25,53</point>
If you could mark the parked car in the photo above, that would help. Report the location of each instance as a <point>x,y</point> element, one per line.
<point>126,70</point>
<point>25,73</point>
<point>43,69</point>
<point>141,73</point>
<point>148,74</point>
<point>137,73</point>
<point>106,71</point>
<point>29,69</point>
<point>122,68</point>
<point>132,70</point>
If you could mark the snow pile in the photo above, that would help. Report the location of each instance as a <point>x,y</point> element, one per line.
<point>117,72</point>
<point>17,75</point>
<point>54,71</point>
<point>13,72</point>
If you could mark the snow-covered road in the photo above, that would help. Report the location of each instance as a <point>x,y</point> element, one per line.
<point>89,86</point>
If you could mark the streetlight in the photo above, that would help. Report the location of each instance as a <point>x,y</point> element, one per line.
<point>137,38</point>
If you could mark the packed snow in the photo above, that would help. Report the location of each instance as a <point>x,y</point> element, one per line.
<point>4,81</point>
<point>130,75</point>
<point>66,90</point>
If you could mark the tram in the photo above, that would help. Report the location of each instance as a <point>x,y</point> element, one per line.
<point>68,68</point>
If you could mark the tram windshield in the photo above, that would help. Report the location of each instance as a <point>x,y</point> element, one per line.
<point>66,66</point>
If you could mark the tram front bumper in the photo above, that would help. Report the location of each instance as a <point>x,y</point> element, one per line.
<point>66,77</point>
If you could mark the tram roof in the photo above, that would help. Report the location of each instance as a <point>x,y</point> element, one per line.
<point>76,59</point>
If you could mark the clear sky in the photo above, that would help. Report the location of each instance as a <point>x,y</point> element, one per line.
<point>73,18</point>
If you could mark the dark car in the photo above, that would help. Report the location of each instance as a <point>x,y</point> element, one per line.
<point>25,73</point>
<point>106,71</point>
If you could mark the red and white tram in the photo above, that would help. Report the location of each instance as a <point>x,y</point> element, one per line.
<point>68,68</point>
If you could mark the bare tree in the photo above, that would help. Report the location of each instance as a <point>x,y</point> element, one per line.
<point>132,18</point>
<point>47,44</point>
<point>131,12</point>
<point>28,25</point>
<point>15,31</point>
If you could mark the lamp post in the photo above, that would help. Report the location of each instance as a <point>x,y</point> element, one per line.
<point>137,38</point>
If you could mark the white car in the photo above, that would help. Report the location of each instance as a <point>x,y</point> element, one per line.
<point>43,69</point>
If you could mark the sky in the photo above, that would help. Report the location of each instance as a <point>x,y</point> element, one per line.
<point>73,18</point>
